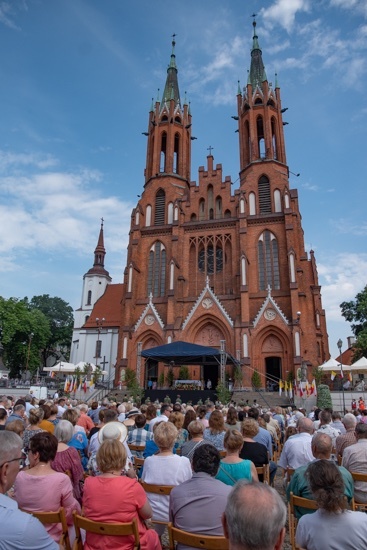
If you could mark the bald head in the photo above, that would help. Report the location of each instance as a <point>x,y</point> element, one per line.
<point>321,446</point>
<point>254,517</point>
<point>305,425</point>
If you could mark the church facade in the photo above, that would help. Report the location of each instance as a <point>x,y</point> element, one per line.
<point>210,265</point>
<point>206,263</point>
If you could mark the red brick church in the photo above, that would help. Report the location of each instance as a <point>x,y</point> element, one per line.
<point>210,264</point>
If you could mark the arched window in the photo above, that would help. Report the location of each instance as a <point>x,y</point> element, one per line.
<point>86,318</point>
<point>274,138</point>
<point>157,270</point>
<point>162,164</point>
<point>148,216</point>
<point>242,206</point>
<point>292,268</point>
<point>160,202</point>
<point>268,261</point>
<point>247,143</point>
<point>176,155</point>
<point>202,209</point>
<point>264,195</point>
<point>277,201</point>
<point>260,137</point>
<point>252,204</point>
<point>170,213</point>
<point>210,260</point>
<point>137,217</point>
<point>210,202</point>
<point>218,208</point>
<point>89,298</point>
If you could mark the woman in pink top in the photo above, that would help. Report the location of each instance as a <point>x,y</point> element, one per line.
<point>41,489</point>
<point>112,497</point>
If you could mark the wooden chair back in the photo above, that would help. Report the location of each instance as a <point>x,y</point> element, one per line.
<point>292,520</point>
<point>138,463</point>
<point>56,517</point>
<point>265,472</point>
<point>157,489</point>
<point>102,528</point>
<point>359,506</point>
<point>222,454</point>
<point>136,447</point>
<point>195,540</point>
<point>289,473</point>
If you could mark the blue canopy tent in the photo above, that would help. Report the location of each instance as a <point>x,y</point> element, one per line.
<point>184,353</point>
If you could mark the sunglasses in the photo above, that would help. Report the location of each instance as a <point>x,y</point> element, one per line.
<point>21,459</point>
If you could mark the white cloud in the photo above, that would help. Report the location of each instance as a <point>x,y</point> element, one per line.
<point>359,5</point>
<point>341,277</point>
<point>7,15</point>
<point>283,12</point>
<point>52,211</point>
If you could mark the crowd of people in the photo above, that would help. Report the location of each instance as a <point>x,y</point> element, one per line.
<point>102,461</point>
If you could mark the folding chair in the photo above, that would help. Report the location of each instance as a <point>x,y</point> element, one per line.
<point>195,540</point>
<point>136,447</point>
<point>157,490</point>
<point>102,528</point>
<point>359,506</point>
<point>292,520</point>
<point>138,463</point>
<point>55,517</point>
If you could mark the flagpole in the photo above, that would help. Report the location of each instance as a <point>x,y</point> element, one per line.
<point>340,344</point>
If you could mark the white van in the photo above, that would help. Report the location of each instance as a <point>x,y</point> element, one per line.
<point>39,392</point>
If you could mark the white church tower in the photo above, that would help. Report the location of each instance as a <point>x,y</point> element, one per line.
<point>95,282</point>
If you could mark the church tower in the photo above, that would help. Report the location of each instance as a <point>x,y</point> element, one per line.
<point>211,266</point>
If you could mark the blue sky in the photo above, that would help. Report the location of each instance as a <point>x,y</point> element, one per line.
<point>77,78</point>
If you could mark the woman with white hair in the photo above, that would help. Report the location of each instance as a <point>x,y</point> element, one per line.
<point>67,458</point>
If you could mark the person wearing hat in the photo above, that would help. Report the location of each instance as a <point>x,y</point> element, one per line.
<point>130,416</point>
<point>112,430</point>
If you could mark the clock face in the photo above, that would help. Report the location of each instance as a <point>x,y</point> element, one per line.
<point>270,314</point>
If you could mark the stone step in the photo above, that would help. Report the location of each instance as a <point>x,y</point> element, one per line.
<point>263,398</point>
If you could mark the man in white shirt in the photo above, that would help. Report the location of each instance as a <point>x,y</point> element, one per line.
<point>297,449</point>
<point>166,410</point>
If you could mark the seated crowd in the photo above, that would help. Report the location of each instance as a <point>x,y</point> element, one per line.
<point>206,470</point>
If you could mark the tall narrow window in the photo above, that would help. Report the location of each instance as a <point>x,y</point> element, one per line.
<point>148,216</point>
<point>268,261</point>
<point>274,138</point>
<point>98,349</point>
<point>170,213</point>
<point>160,202</point>
<point>264,195</point>
<point>277,201</point>
<point>157,270</point>
<point>202,209</point>
<point>210,260</point>
<point>89,298</point>
<point>260,137</point>
<point>162,164</point>
<point>218,208</point>
<point>176,155</point>
<point>252,204</point>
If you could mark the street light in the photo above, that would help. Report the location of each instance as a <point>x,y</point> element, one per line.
<point>340,345</point>
<point>29,349</point>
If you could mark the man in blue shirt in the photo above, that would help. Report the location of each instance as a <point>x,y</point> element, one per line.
<point>19,530</point>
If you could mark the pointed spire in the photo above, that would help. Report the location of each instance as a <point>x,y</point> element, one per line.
<point>99,255</point>
<point>171,90</point>
<point>257,73</point>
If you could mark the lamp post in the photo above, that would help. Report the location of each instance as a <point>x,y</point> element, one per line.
<point>99,328</point>
<point>340,345</point>
<point>29,350</point>
<point>2,367</point>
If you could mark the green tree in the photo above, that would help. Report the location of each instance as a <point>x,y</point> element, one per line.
<point>324,397</point>
<point>318,375</point>
<point>60,317</point>
<point>184,373</point>
<point>223,393</point>
<point>355,312</point>
<point>25,334</point>
<point>132,384</point>
<point>256,379</point>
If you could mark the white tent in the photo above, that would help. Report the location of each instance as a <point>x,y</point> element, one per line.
<point>360,365</point>
<point>61,366</point>
<point>333,365</point>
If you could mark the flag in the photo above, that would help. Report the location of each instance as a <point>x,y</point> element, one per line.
<point>85,385</point>
<point>66,385</point>
<point>313,385</point>
<point>341,370</point>
<point>80,385</point>
<point>350,377</point>
<point>333,374</point>
<point>285,386</point>
<point>53,375</point>
<point>307,388</point>
<point>300,389</point>
<point>290,392</point>
<point>280,387</point>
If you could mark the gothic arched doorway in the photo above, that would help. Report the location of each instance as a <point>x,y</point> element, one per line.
<point>273,371</point>
<point>273,355</point>
<point>210,335</point>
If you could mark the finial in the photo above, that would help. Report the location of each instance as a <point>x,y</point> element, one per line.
<point>254,22</point>
<point>102,220</point>
<point>158,95</point>
<point>210,148</point>
<point>189,107</point>
<point>152,106</point>
<point>238,87</point>
<point>185,100</point>
<point>276,80</point>
<point>173,42</point>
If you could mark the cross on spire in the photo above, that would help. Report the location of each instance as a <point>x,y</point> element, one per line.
<point>102,220</point>
<point>210,148</point>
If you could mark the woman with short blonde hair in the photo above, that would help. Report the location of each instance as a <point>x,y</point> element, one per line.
<point>177,419</point>
<point>116,498</point>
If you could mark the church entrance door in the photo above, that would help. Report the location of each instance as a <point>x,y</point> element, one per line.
<point>273,372</point>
